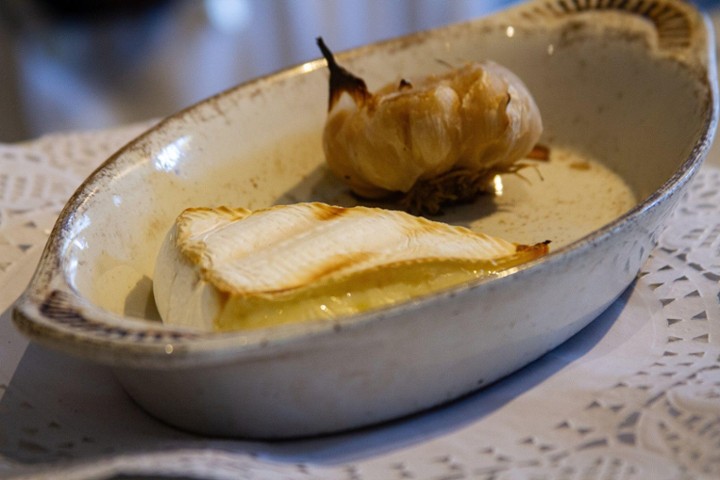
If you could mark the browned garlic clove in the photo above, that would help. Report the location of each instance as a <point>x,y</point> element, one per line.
<point>435,140</point>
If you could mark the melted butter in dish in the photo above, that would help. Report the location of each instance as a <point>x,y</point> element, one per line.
<point>563,200</point>
<point>229,269</point>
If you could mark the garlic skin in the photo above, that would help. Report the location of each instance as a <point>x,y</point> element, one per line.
<point>470,123</point>
<point>229,269</point>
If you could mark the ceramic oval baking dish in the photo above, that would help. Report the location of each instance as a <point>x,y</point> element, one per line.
<point>626,89</point>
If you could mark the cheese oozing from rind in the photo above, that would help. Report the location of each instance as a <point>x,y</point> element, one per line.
<point>231,268</point>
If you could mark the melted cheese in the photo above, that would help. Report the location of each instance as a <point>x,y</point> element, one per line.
<point>229,269</point>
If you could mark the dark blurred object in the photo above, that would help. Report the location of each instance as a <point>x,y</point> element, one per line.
<point>74,29</point>
<point>73,10</point>
<point>83,64</point>
<point>95,39</point>
<point>706,4</point>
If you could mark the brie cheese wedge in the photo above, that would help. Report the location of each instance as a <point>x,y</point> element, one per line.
<point>225,268</point>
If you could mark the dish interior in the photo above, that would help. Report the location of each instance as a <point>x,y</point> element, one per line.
<point>620,115</point>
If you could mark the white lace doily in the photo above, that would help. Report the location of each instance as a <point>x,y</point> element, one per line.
<point>636,395</point>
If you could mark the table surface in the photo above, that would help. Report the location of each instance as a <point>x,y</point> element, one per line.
<point>635,395</point>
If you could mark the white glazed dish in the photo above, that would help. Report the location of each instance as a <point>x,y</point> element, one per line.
<point>631,87</point>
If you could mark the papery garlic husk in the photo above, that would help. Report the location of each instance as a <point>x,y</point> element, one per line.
<point>230,268</point>
<point>435,140</point>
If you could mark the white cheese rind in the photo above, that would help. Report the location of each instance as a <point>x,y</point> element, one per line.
<point>212,258</point>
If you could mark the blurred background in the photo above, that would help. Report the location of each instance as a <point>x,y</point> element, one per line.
<point>88,64</point>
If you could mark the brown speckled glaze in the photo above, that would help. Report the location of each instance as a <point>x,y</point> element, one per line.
<point>672,21</point>
<point>258,144</point>
<point>59,307</point>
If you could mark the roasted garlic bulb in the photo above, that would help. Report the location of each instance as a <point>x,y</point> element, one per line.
<point>434,141</point>
<point>231,268</point>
